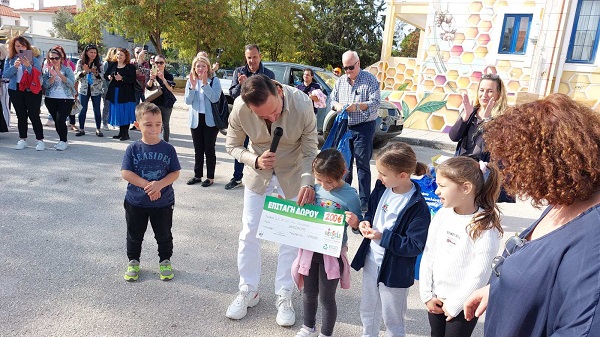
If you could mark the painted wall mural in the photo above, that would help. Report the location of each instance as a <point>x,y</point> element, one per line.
<point>457,48</point>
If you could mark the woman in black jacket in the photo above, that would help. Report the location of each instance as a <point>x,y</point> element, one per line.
<point>165,101</point>
<point>121,94</point>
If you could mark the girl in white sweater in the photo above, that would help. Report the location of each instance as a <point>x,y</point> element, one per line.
<point>464,236</point>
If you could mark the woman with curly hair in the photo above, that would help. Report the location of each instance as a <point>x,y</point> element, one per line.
<point>547,282</point>
<point>490,101</point>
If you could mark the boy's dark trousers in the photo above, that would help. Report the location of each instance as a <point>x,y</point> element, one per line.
<point>161,220</point>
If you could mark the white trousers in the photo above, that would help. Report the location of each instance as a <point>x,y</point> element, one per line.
<point>249,261</point>
<point>379,301</point>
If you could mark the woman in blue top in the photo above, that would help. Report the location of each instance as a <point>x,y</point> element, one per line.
<point>59,83</point>
<point>202,89</point>
<point>27,102</point>
<point>547,281</point>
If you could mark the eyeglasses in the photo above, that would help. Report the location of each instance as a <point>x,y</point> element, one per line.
<point>54,58</point>
<point>350,67</point>
<point>512,245</point>
<point>159,62</point>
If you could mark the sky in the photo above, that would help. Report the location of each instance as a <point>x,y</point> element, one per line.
<point>47,3</point>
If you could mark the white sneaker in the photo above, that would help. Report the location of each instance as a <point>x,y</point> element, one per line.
<point>307,332</point>
<point>61,146</point>
<point>239,307</point>
<point>40,146</point>
<point>21,144</point>
<point>285,311</point>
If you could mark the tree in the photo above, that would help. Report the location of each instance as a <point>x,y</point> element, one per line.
<point>60,26</point>
<point>88,23</point>
<point>409,47</point>
<point>337,26</point>
<point>202,25</point>
<point>140,20</point>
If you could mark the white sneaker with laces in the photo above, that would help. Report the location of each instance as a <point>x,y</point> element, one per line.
<point>307,332</point>
<point>61,146</point>
<point>40,146</point>
<point>285,311</point>
<point>239,307</point>
<point>21,144</point>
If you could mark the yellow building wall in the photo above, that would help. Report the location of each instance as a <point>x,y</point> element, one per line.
<point>583,87</point>
<point>457,49</point>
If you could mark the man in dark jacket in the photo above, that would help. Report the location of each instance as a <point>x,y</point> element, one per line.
<point>253,66</point>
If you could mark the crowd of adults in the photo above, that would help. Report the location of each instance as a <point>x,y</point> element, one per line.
<point>120,80</point>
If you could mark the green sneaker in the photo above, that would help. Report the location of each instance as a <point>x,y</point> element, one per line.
<point>166,271</point>
<point>133,271</point>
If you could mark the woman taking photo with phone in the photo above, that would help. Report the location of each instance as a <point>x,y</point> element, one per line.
<point>165,102</point>
<point>121,93</point>
<point>24,73</point>
<point>89,75</point>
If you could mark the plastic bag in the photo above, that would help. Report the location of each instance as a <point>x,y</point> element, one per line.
<point>339,137</point>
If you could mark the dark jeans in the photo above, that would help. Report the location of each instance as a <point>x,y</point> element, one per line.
<point>59,109</point>
<point>27,105</point>
<point>84,99</point>
<point>204,138</point>
<point>238,168</point>
<point>457,327</point>
<point>166,117</point>
<point>161,220</point>
<point>361,146</point>
<point>316,285</point>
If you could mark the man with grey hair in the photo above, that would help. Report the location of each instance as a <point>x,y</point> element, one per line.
<point>358,91</point>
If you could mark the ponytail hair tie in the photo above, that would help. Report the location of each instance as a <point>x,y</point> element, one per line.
<point>484,170</point>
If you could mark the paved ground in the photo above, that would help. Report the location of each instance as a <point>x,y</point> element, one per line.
<point>63,248</point>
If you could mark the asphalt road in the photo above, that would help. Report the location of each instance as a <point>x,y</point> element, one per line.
<point>62,247</point>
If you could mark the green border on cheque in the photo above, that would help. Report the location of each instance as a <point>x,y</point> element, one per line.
<point>312,213</point>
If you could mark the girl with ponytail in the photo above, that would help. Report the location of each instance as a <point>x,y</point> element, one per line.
<point>463,239</point>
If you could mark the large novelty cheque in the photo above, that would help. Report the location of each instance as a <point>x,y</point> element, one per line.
<point>309,227</point>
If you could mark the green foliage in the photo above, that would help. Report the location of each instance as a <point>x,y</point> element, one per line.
<point>60,26</point>
<point>410,44</point>
<point>315,32</point>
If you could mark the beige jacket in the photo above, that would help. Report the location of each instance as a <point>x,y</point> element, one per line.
<point>296,151</point>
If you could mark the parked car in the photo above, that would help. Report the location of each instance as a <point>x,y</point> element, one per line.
<point>389,124</point>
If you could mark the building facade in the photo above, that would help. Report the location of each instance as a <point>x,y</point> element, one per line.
<point>537,47</point>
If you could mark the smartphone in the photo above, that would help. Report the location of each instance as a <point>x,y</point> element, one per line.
<point>146,47</point>
<point>28,54</point>
<point>154,70</point>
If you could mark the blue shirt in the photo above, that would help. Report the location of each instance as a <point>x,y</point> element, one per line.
<point>551,285</point>
<point>364,90</point>
<point>151,162</point>
<point>344,198</point>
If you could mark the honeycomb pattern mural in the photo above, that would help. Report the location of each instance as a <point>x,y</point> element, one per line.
<point>584,87</point>
<point>458,49</point>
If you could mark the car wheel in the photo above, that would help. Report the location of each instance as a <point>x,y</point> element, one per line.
<point>379,143</point>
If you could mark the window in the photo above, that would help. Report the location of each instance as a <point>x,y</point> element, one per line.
<point>586,32</point>
<point>515,31</point>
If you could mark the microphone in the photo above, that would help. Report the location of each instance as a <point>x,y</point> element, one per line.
<point>276,137</point>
